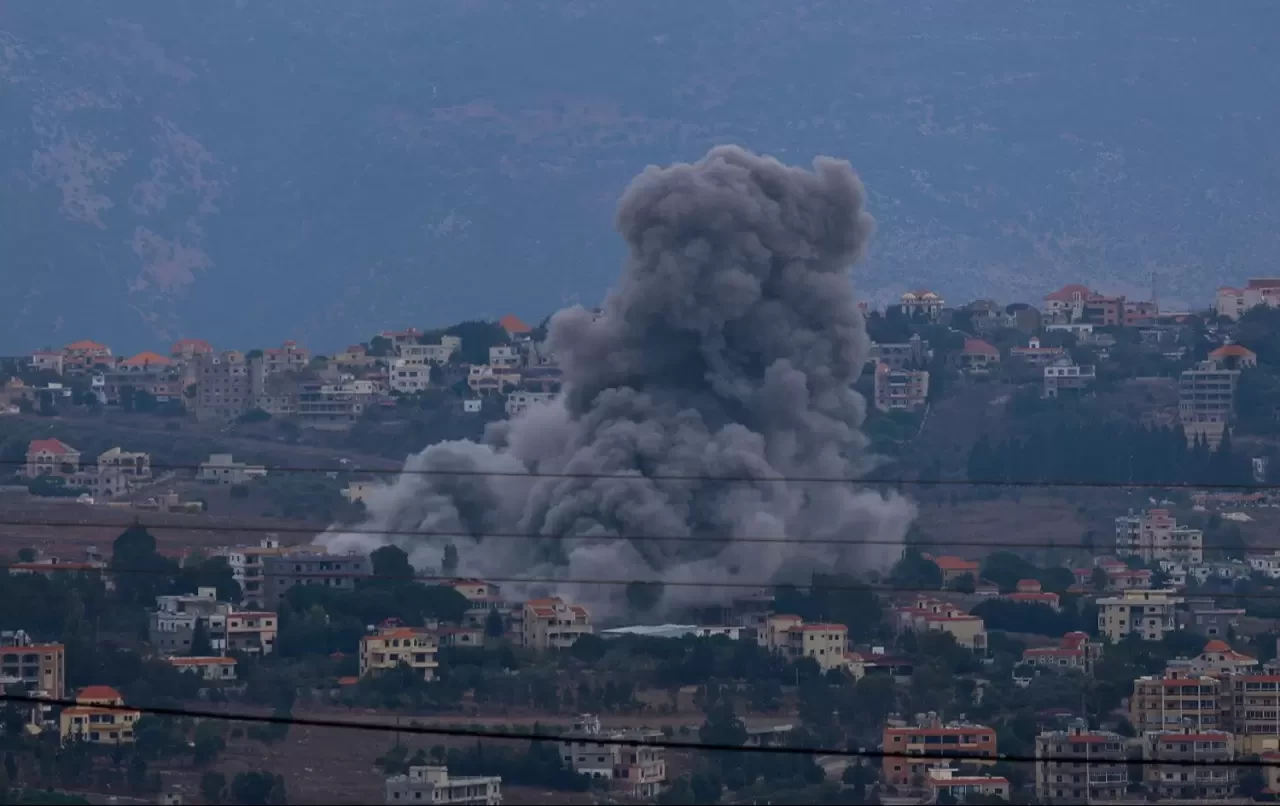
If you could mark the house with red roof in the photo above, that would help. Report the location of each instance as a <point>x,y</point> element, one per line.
<point>978,356</point>
<point>552,623</point>
<point>187,349</point>
<point>927,613</point>
<point>954,568</point>
<point>51,457</point>
<point>1028,591</point>
<point>98,717</point>
<point>1074,651</point>
<point>1067,302</point>
<point>1234,356</point>
<point>514,326</point>
<point>81,356</point>
<point>921,303</point>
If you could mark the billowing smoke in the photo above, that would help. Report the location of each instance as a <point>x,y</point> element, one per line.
<point>728,349</point>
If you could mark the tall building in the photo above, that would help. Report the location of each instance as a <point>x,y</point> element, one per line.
<point>900,389</point>
<point>639,770</point>
<point>1155,535</point>
<point>1213,779</point>
<point>1161,703</point>
<point>34,667</point>
<point>434,785</point>
<point>1234,303</point>
<point>332,571</point>
<point>553,624</point>
<point>1081,766</point>
<point>928,739</point>
<point>224,385</point>
<point>1149,613</point>
<point>1206,397</point>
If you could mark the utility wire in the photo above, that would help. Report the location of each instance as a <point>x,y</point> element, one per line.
<point>668,744</point>
<point>824,541</point>
<point>437,578</point>
<point>728,479</point>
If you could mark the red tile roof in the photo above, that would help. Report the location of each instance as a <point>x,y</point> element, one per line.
<point>979,347</point>
<point>202,661</point>
<point>86,344</point>
<point>948,563</point>
<point>1065,293</point>
<point>513,325</point>
<point>191,345</point>
<point>1233,351</point>
<point>54,446</point>
<point>145,359</point>
<point>98,693</point>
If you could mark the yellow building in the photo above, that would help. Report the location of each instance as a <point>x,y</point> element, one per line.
<point>825,643</point>
<point>1149,613</point>
<point>89,720</point>
<point>927,613</point>
<point>552,624</point>
<point>39,667</point>
<point>392,646</point>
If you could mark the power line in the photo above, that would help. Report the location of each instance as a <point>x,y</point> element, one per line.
<point>664,743</point>
<point>250,528</point>
<point>730,479</point>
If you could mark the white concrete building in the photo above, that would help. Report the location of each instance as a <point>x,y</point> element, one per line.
<point>434,785</point>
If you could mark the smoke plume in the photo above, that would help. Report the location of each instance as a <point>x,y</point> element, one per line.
<point>728,349</point>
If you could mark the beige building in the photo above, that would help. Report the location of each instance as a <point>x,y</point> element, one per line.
<point>210,668</point>
<point>1170,702</point>
<point>552,624</point>
<point>1155,535</point>
<point>900,389</point>
<point>224,385</point>
<point>389,647</point>
<point>1212,781</point>
<point>288,357</point>
<point>927,613</point>
<point>435,786</point>
<point>1206,400</point>
<point>253,632</point>
<point>90,721</point>
<point>1081,766</point>
<point>51,457</point>
<point>1149,613</point>
<point>483,379</point>
<point>929,738</point>
<point>35,667</point>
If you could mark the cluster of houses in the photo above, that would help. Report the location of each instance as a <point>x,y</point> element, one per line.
<point>287,381</point>
<point>1206,390</point>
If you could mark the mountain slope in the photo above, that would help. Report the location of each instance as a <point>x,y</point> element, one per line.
<point>252,171</point>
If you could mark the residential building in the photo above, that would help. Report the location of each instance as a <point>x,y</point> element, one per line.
<point>221,468</point>
<point>187,350</point>
<point>902,355</point>
<point>505,356</point>
<point>518,401</point>
<point>47,568</point>
<point>1206,398</point>
<point>1081,766</point>
<point>355,356</point>
<point>433,785</point>
<point>402,338</point>
<point>928,739</point>
<point>172,624</point>
<point>1067,303</point>
<point>98,717</point>
<point>133,464</point>
<point>553,624</point>
<point>876,662</point>
<point>1036,355</point>
<point>288,357</point>
<point>927,613</point>
<point>465,636</point>
<point>639,770</point>
<point>1149,613</point>
<point>36,668</point>
<point>213,669</point>
<point>51,457</point>
<point>224,385</point>
<point>1205,617</point>
<point>248,565</point>
<point>330,405</point>
<point>392,646</point>
<point>789,636</point>
<point>471,405</point>
<point>955,568</point>
<point>978,357</point>
<point>1155,535</point>
<point>1170,701</point>
<point>1074,651</point>
<point>483,379</point>
<point>960,787</point>
<point>900,389</point>
<point>252,631</point>
<point>1234,356</point>
<point>360,490</point>
<point>78,358</point>
<point>1104,311</point>
<point>47,361</point>
<point>333,571</point>
<point>541,378</point>
<point>1217,659</point>
<point>1028,591</point>
<point>1234,303</point>
<point>408,378</point>
<point>147,372</point>
<point>1065,377</point>
<point>923,304</point>
<point>1213,779</point>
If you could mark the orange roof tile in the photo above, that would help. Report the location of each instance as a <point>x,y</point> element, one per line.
<point>348,681</point>
<point>1065,293</point>
<point>979,347</point>
<point>201,661</point>
<point>54,446</point>
<point>86,344</point>
<point>955,564</point>
<point>1217,645</point>
<point>513,325</point>
<point>145,359</point>
<point>1232,351</point>
<point>98,693</point>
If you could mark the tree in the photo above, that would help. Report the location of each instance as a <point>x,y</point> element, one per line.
<point>494,627</point>
<point>914,571</point>
<point>449,565</point>
<point>1098,579</point>
<point>258,788</point>
<point>213,786</point>
<point>141,573</point>
<point>201,646</point>
<point>391,565</point>
<point>26,555</point>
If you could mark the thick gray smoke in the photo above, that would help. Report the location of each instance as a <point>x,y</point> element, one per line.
<point>729,349</point>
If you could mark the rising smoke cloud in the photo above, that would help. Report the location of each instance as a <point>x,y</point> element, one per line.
<point>728,349</point>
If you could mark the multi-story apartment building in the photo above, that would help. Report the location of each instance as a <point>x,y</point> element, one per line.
<point>288,357</point>
<point>1036,355</point>
<point>1081,766</point>
<point>210,668</point>
<point>900,389</point>
<point>252,631</point>
<point>221,468</point>
<point>47,361</point>
<point>186,350</point>
<point>1067,303</point>
<point>40,668</point>
<point>900,355</point>
<point>78,358</point>
<point>89,720</point>
<point>51,457</point>
<point>927,613</point>
<point>1149,613</point>
<point>1210,779</point>
<point>1206,617</point>
<point>408,378</point>
<point>224,385</point>
<point>332,571</point>
<point>145,372</point>
<point>1155,535</point>
<point>553,624</point>
<point>434,785</point>
<point>827,644</point>
<point>392,646</point>
<point>248,564</point>
<point>173,623</point>
<point>1064,376</point>
<point>1170,702</point>
<point>519,400</point>
<point>505,356</point>
<point>929,739</point>
<point>638,770</point>
<point>483,379</point>
<point>1254,711</point>
<point>1234,303</point>
<point>1074,651</point>
<point>1206,399</point>
<point>334,405</point>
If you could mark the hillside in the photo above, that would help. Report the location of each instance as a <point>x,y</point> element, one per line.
<point>235,170</point>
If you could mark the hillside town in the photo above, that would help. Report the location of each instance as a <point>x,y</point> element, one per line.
<point>1020,670</point>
